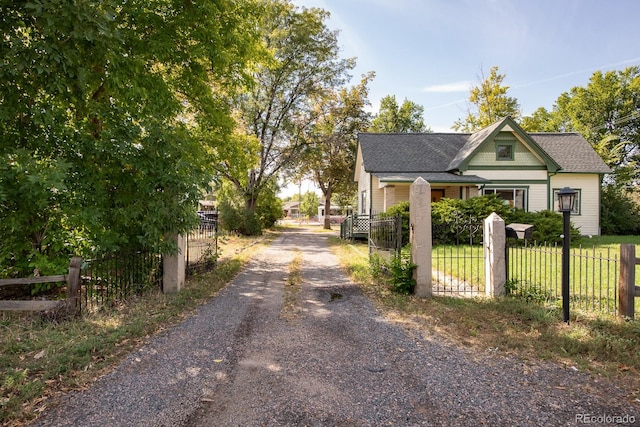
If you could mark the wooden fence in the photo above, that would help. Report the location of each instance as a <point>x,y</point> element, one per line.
<point>71,304</point>
<point>627,289</point>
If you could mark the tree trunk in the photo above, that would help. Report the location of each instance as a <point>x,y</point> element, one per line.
<point>327,208</point>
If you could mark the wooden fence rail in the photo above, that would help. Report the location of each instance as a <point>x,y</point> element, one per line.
<point>627,289</point>
<point>71,304</point>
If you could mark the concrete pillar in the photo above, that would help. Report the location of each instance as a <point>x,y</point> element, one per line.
<point>421,236</point>
<point>495,269</point>
<point>174,268</point>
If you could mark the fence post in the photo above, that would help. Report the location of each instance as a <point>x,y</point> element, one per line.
<point>627,282</point>
<point>495,272</point>
<point>174,268</point>
<point>73,285</point>
<point>421,235</point>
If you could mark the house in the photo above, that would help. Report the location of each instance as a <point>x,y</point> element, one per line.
<point>291,209</point>
<point>526,170</point>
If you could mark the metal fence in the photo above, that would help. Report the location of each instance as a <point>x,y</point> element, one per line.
<point>202,247</point>
<point>534,272</point>
<point>110,278</point>
<point>385,234</point>
<point>458,258</point>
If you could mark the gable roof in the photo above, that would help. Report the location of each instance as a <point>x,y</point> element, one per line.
<point>400,156</point>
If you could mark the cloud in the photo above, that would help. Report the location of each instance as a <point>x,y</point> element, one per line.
<point>463,86</point>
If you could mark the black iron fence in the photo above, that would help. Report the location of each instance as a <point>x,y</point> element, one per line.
<point>458,258</point>
<point>534,272</point>
<point>202,247</point>
<point>385,233</point>
<point>110,278</point>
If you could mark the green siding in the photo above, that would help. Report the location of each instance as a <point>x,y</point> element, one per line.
<point>485,156</point>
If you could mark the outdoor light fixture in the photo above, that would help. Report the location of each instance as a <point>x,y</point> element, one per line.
<point>566,199</point>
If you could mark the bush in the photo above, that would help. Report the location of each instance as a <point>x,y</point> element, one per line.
<point>619,214</point>
<point>456,220</point>
<point>401,209</point>
<point>399,269</point>
<point>548,225</point>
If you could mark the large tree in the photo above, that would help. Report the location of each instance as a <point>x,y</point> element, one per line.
<point>303,64</point>
<point>104,105</point>
<point>488,103</point>
<point>394,118</point>
<point>332,139</point>
<point>607,113</point>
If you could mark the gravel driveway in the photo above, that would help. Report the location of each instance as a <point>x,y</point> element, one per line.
<point>334,362</point>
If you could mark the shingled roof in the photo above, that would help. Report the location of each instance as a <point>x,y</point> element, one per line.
<point>399,157</point>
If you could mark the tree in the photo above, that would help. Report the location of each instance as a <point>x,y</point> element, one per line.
<point>332,139</point>
<point>488,103</point>
<point>607,113</point>
<point>309,204</point>
<point>407,118</point>
<point>273,113</point>
<point>105,105</point>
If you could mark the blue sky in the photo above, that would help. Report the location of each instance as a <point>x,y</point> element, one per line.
<point>433,51</point>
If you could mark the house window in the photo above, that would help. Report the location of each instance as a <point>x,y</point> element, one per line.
<point>363,202</point>
<point>514,197</point>
<point>576,205</point>
<point>505,150</point>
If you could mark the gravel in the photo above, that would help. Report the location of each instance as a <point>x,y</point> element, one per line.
<point>336,362</point>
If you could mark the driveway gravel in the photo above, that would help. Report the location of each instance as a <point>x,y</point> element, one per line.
<point>332,360</point>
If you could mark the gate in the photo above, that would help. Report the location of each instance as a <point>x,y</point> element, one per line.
<point>385,235</point>
<point>458,258</point>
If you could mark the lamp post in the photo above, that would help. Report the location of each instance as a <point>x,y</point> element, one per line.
<point>566,199</point>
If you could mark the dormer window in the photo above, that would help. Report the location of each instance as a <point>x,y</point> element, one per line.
<point>505,150</point>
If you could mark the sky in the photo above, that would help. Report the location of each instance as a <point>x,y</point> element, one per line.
<point>432,52</point>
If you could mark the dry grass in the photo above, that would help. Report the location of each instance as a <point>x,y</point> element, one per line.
<point>602,345</point>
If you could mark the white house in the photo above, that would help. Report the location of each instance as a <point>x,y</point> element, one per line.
<point>524,169</point>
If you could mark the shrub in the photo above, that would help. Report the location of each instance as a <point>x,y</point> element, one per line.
<point>548,225</point>
<point>619,214</point>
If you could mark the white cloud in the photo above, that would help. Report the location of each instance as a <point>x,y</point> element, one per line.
<point>463,86</point>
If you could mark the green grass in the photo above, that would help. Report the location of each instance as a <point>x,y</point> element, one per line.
<point>598,343</point>
<point>40,359</point>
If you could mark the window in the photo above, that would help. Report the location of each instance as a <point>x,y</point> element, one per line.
<point>514,197</point>
<point>363,202</point>
<point>505,150</point>
<point>576,204</point>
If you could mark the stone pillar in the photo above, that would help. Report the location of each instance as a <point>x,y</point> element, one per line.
<point>495,269</point>
<point>421,236</point>
<point>174,268</point>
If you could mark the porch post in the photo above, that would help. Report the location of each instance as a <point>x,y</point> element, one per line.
<point>495,271</point>
<point>421,236</point>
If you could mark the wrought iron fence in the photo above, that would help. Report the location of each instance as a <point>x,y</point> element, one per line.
<point>385,234</point>
<point>534,271</point>
<point>113,277</point>
<point>202,248</point>
<point>458,258</point>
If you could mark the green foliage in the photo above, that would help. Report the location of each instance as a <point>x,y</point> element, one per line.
<point>300,63</point>
<point>399,270</point>
<point>456,220</point>
<point>491,103</point>
<point>619,213</point>
<point>407,118</point>
<point>548,225</point>
<point>109,117</point>
<point>605,113</point>
<point>309,204</point>
<point>401,209</point>
<point>237,218</point>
